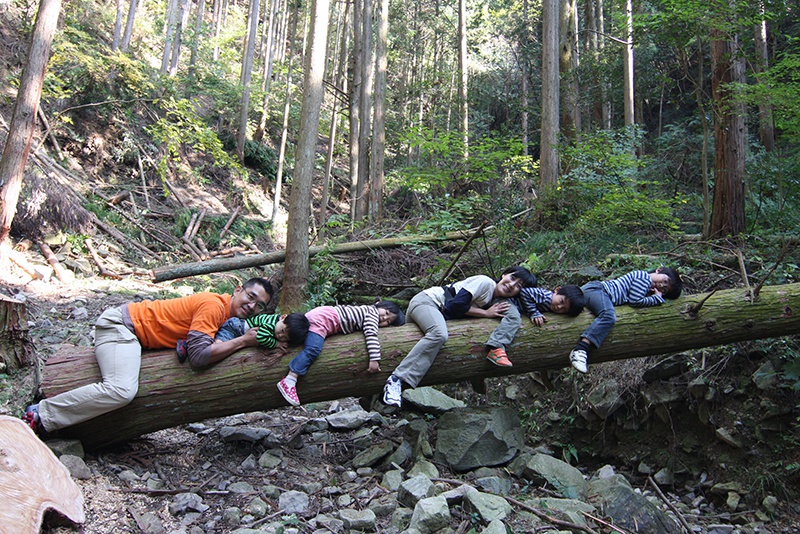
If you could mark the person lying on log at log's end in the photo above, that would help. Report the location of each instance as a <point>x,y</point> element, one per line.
<point>328,320</point>
<point>476,296</point>
<point>272,331</point>
<point>122,332</point>
<point>534,301</point>
<point>639,289</point>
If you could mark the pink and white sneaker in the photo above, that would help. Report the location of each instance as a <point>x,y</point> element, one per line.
<point>289,393</point>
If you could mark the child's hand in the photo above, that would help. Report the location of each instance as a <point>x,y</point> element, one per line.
<point>539,321</point>
<point>283,346</point>
<point>498,310</point>
<point>250,337</point>
<point>374,366</point>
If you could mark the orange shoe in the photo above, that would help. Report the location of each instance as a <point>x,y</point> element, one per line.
<point>499,358</point>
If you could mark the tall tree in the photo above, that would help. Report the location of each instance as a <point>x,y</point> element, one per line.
<point>548,169</point>
<point>379,138</point>
<point>118,25</point>
<point>293,292</point>
<point>568,65</point>
<point>126,36</point>
<point>627,65</point>
<point>23,117</point>
<point>463,80</point>
<point>766,129</point>
<point>357,59</point>
<point>727,210</point>
<point>246,76</point>
<point>169,34</point>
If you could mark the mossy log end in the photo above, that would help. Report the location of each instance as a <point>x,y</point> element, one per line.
<point>171,394</point>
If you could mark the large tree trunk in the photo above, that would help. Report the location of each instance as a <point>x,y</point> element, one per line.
<point>16,349</point>
<point>293,292</point>
<point>548,169</point>
<point>171,394</point>
<point>23,117</point>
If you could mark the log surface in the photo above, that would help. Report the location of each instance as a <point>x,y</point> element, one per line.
<point>171,394</point>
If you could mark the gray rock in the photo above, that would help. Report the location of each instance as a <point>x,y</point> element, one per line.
<point>566,479</point>
<point>149,523</point>
<point>664,477</point>
<point>76,466</point>
<point>66,446</point>
<point>401,518</point>
<point>257,508</point>
<point>425,468</point>
<point>629,510</point>
<point>310,487</point>
<point>318,424</point>
<point>456,495</point>
<point>661,393</point>
<point>184,503</point>
<point>250,434</point>
<point>494,484</point>
<point>331,524</point>
<point>474,437</point>
<point>129,476</point>
<point>269,461</point>
<point>494,527</point>
<point>249,463</point>
<point>667,368</point>
<point>430,514</point>
<point>725,436</point>
<point>571,510</point>
<point>770,504</point>
<point>383,507</point>
<point>241,487</point>
<point>232,516</point>
<point>431,400</point>
<point>765,376</point>
<point>360,520</point>
<point>414,489</point>
<point>373,455</point>
<point>401,455</point>
<point>294,502</point>
<point>392,479</point>
<point>352,419</point>
<point>605,398</point>
<point>488,507</point>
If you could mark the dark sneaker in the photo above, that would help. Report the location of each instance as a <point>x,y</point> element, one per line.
<point>183,350</point>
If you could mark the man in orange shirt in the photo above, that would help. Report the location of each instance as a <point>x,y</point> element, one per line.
<point>122,332</point>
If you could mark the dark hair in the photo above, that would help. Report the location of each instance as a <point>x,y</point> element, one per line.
<point>517,271</point>
<point>296,327</point>
<point>261,282</point>
<point>575,297</point>
<point>391,307</point>
<point>675,282</point>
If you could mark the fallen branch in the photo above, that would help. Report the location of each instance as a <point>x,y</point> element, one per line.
<point>684,524</point>
<point>103,271</point>
<point>62,274</point>
<point>230,222</point>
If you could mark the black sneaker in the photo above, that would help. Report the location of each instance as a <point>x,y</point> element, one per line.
<point>183,351</point>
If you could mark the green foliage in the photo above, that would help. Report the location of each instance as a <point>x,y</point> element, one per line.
<point>638,211</point>
<point>326,285</point>
<point>773,192</point>
<point>447,214</point>
<point>182,126</point>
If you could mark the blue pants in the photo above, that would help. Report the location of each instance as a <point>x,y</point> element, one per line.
<point>599,303</point>
<point>232,328</point>
<point>313,346</point>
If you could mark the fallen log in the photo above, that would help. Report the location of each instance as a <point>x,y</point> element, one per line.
<point>171,272</point>
<point>171,394</point>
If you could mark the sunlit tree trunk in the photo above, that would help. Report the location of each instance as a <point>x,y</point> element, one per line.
<point>266,80</point>
<point>364,113</point>
<point>568,65</point>
<point>23,117</point>
<point>462,67</point>
<point>524,73</point>
<point>216,27</point>
<point>340,84</point>
<point>127,35</point>
<point>198,35</point>
<point>766,129</point>
<point>183,13</point>
<point>118,26</point>
<point>627,65</point>
<point>727,211</point>
<point>355,106</point>
<point>548,170</point>
<point>286,108</point>
<point>293,291</point>
<point>246,76</point>
<point>379,139</point>
<point>169,34</point>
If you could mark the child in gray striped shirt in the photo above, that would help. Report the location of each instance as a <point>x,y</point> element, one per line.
<point>639,289</point>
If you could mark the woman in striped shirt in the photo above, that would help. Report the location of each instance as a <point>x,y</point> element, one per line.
<point>639,289</point>
<point>328,320</point>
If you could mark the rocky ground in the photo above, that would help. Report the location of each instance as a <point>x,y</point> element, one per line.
<point>293,470</point>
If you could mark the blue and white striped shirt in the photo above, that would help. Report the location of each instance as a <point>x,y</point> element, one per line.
<point>632,289</point>
<point>532,301</point>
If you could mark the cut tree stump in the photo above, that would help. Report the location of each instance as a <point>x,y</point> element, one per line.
<point>16,349</point>
<point>32,481</point>
<point>171,394</point>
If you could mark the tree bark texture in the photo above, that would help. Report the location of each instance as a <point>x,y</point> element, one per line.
<point>23,117</point>
<point>16,349</point>
<point>548,169</point>
<point>171,272</point>
<point>172,394</point>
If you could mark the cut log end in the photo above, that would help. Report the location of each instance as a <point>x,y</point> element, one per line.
<point>33,481</point>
